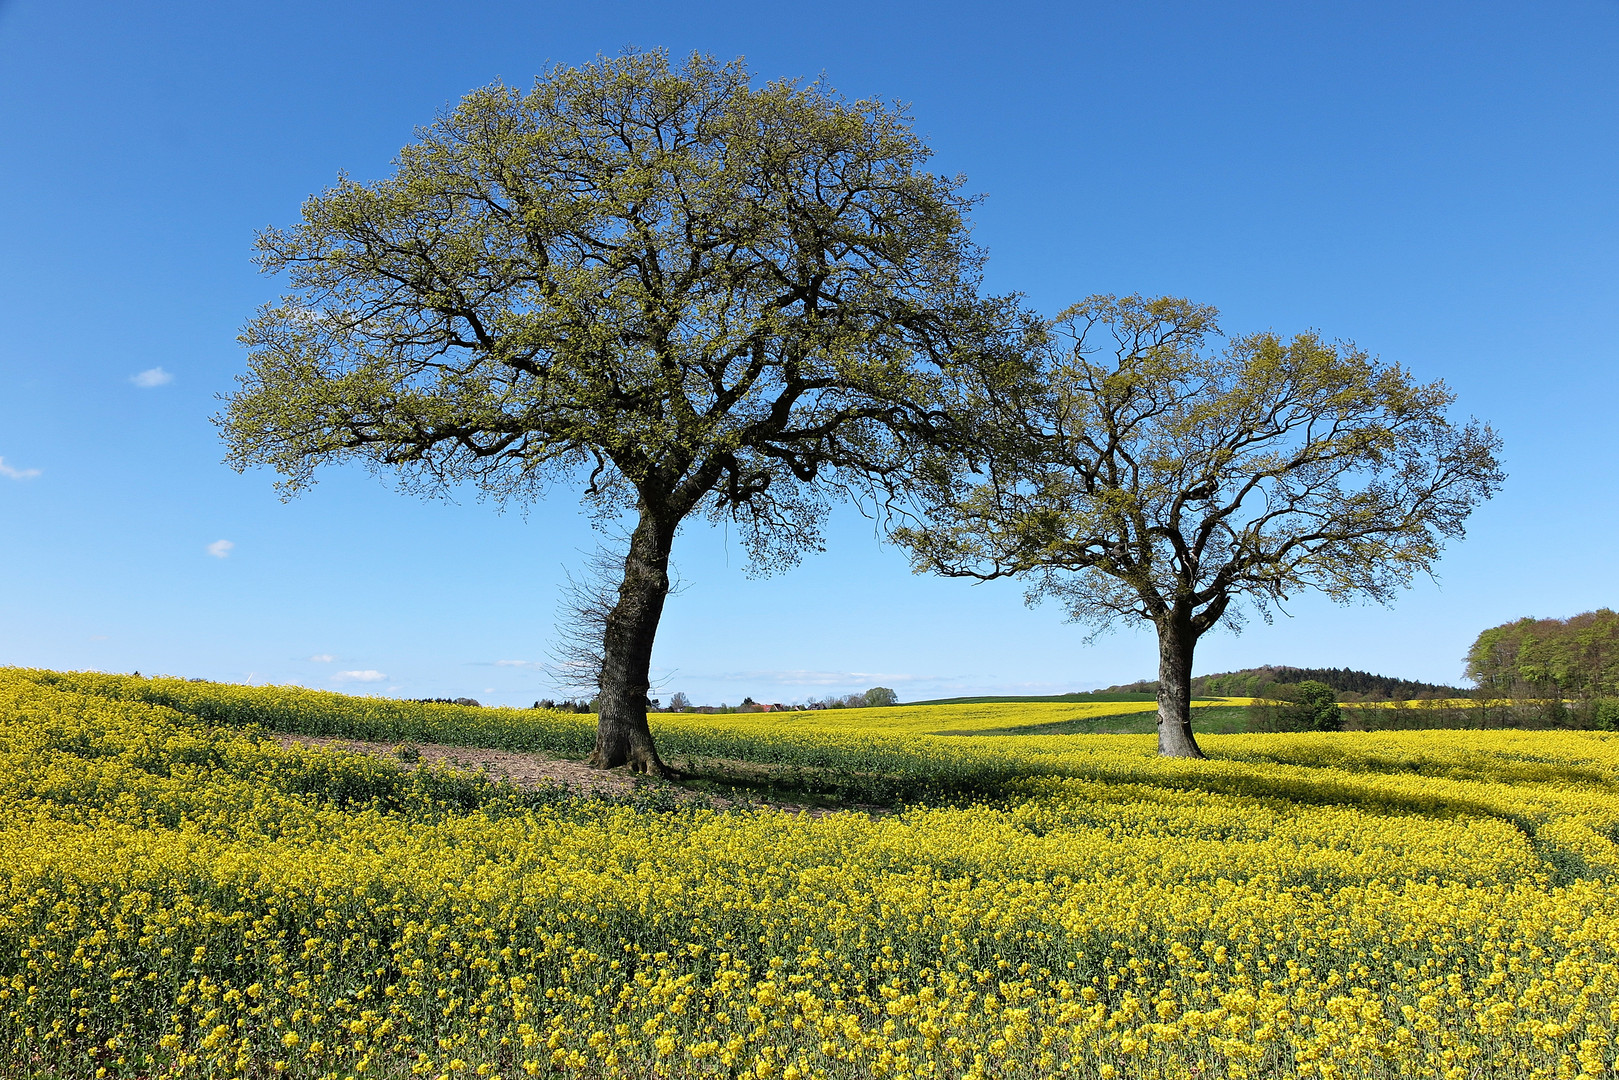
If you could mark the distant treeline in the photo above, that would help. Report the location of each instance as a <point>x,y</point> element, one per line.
<point>1566,668</point>
<point>1269,680</point>
<point>1533,673</point>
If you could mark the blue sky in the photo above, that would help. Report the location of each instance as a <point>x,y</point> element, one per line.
<point>1435,182</point>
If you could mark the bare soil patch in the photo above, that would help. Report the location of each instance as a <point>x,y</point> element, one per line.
<point>523,770</point>
<point>530,770</point>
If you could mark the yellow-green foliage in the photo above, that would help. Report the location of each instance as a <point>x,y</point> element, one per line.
<point>182,898</point>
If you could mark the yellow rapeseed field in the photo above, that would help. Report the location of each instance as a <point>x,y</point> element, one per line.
<point>180,895</point>
<point>911,719</point>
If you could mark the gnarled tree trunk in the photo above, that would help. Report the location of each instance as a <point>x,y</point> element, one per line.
<point>1176,640</point>
<point>622,734</point>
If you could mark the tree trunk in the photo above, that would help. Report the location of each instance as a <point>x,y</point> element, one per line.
<point>1176,640</point>
<point>622,734</point>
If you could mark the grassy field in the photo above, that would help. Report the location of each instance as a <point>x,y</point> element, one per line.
<point>180,894</point>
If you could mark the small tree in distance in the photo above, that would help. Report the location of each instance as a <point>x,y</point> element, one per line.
<point>1316,708</point>
<point>879,696</point>
<point>1140,473</point>
<point>696,296</point>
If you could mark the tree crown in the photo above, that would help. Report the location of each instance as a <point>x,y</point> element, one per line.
<point>698,294</point>
<point>1533,657</point>
<point>1146,472</point>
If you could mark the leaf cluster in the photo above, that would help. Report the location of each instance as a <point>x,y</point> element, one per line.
<point>1533,658</point>
<point>1143,465</point>
<point>694,294</point>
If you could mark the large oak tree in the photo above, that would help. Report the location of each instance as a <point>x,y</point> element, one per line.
<point>694,295</point>
<point>1136,470</point>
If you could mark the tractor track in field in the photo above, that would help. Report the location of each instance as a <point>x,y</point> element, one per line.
<point>525,770</point>
<point>531,770</point>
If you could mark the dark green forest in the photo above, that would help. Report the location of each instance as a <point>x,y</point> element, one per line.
<point>1267,680</point>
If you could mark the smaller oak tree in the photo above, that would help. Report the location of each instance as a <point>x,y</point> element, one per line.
<point>1137,471</point>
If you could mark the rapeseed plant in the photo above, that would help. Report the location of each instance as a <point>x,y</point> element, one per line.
<point>180,897</point>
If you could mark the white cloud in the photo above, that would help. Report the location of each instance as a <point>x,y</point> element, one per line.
<point>152,377</point>
<point>15,473</point>
<point>815,678</point>
<point>322,658</point>
<point>534,664</point>
<point>219,549</point>
<point>359,676</point>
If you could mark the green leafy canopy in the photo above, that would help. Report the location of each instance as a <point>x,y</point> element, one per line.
<point>695,294</point>
<point>1146,469</point>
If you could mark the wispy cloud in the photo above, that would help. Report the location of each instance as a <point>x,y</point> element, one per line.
<point>15,473</point>
<point>151,377</point>
<point>911,686</point>
<point>532,665</point>
<point>359,676</point>
<point>815,678</point>
<point>220,549</point>
<point>322,658</point>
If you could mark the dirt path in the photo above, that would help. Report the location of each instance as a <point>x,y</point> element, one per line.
<point>528,770</point>
<point>524,770</point>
